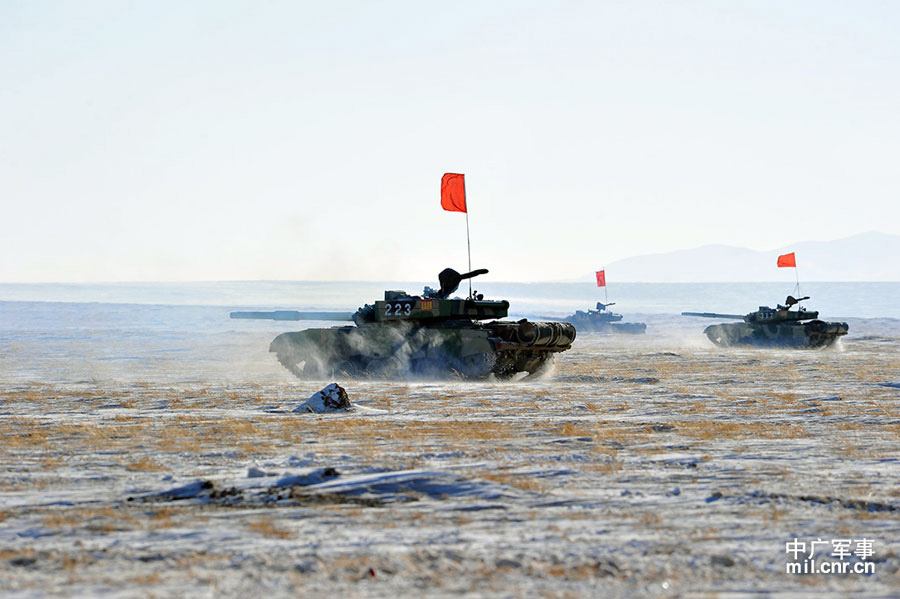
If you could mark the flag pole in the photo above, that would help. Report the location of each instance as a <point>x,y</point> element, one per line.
<point>605,285</point>
<point>468,239</point>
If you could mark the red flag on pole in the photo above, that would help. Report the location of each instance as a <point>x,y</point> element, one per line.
<point>787,260</point>
<point>601,278</point>
<point>453,192</point>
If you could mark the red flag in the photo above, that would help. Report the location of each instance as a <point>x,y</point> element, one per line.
<point>787,260</point>
<point>601,278</point>
<point>453,192</point>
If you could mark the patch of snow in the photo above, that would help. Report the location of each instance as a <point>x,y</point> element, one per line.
<point>332,398</point>
<point>433,483</point>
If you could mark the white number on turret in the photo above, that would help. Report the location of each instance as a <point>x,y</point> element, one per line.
<point>398,309</point>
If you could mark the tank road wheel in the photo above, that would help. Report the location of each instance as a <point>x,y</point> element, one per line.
<point>308,369</point>
<point>505,365</point>
<point>545,362</point>
<point>476,366</point>
<point>715,334</point>
<point>313,370</point>
<point>385,368</point>
<point>815,333</point>
<point>817,326</point>
<point>347,368</point>
<point>291,364</point>
<point>430,368</point>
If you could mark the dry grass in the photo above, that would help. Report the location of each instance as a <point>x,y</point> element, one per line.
<point>715,429</point>
<point>103,520</point>
<point>161,518</point>
<point>8,554</point>
<point>515,480</point>
<point>145,464</point>
<point>153,578</point>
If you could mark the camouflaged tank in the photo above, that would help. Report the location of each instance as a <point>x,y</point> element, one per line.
<point>425,336</point>
<point>778,327</point>
<point>602,320</point>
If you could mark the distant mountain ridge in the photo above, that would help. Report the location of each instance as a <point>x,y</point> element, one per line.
<point>870,256</point>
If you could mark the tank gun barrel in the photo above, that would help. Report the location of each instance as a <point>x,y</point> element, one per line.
<point>713,315</point>
<point>293,315</point>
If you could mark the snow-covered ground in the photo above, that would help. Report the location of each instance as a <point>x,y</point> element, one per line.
<point>643,466</point>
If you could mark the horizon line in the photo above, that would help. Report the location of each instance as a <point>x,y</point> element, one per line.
<point>534,282</point>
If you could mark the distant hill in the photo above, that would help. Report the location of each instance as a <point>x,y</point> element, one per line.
<point>868,256</point>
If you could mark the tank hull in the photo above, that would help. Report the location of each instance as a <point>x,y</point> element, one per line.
<point>814,334</point>
<point>454,349</point>
<point>610,328</point>
<point>587,323</point>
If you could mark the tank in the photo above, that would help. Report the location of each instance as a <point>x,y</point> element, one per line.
<point>778,327</point>
<point>602,320</point>
<point>427,336</point>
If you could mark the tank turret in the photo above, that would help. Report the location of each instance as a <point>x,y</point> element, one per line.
<point>603,320</point>
<point>774,327</point>
<point>427,335</point>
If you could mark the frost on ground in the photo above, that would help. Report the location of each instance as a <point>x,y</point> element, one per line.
<point>643,467</point>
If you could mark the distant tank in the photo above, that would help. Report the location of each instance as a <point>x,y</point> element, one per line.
<point>603,321</point>
<point>420,336</point>
<point>778,327</point>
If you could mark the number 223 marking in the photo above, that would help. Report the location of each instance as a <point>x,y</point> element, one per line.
<point>399,309</point>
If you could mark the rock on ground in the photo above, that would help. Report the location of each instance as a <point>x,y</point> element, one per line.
<point>332,398</point>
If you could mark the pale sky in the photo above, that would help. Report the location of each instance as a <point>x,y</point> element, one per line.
<point>306,140</point>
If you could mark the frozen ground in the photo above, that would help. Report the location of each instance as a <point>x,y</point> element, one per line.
<point>644,466</point>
